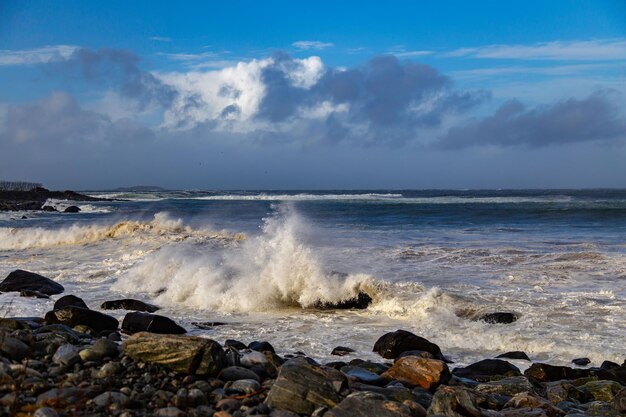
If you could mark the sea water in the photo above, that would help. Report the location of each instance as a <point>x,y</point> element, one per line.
<point>433,262</point>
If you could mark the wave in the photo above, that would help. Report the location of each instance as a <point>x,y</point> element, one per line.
<point>274,270</point>
<point>161,226</point>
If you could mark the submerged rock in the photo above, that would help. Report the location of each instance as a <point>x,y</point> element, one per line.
<point>69,301</point>
<point>153,323</point>
<point>187,354</point>
<point>341,351</point>
<point>72,209</point>
<point>499,318</point>
<point>74,316</point>
<point>391,345</point>
<point>581,361</point>
<point>20,280</point>
<point>129,304</point>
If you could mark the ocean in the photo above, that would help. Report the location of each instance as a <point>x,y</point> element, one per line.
<point>433,261</point>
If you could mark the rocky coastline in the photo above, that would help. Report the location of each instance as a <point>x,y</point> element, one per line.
<point>36,199</point>
<point>77,361</point>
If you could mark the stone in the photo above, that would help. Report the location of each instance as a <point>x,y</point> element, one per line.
<point>559,391</point>
<point>420,353</point>
<point>601,390</point>
<point>169,412</point>
<point>377,368</point>
<point>19,280</point>
<point>108,370</point>
<point>208,325</point>
<point>391,345</point>
<point>508,386</point>
<point>529,400</point>
<point>499,318</point>
<point>619,401</point>
<point>523,412</point>
<point>69,301</point>
<point>196,397</point>
<point>369,404</point>
<point>129,304</point>
<point>33,294</point>
<point>302,387</point>
<point>581,361</point>
<point>111,397</point>
<point>460,401</point>
<point>46,412</point>
<point>66,355</point>
<point>609,365</point>
<point>341,351</point>
<point>235,344</point>
<point>363,375</point>
<point>186,354</point>
<point>49,208</point>
<point>487,369</point>
<point>234,373</point>
<point>427,373</point>
<point>253,358</point>
<point>261,347</point>
<point>72,209</point>
<point>74,316</point>
<point>543,372</point>
<point>57,397</point>
<point>13,348</point>
<point>103,348</point>
<point>361,302</point>
<point>13,324</point>
<point>153,323</point>
<point>515,355</point>
<point>247,386</point>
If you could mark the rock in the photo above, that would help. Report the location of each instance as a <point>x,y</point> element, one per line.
<point>69,301</point>
<point>235,344</point>
<point>72,209</point>
<point>208,325</point>
<point>196,397</point>
<point>66,355</point>
<point>169,412</point>
<point>74,316</point>
<point>111,397</point>
<point>13,348</point>
<point>499,318</point>
<point>363,375</point>
<point>391,345</point>
<point>543,372</point>
<point>228,404</point>
<point>46,412</point>
<point>253,358</point>
<point>153,323</point>
<point>247,386</point>
<point>427,373</point>
<point>103,348</point>
<point>341,351</point>
<point>559,391</point>
<point>460,401</point>
<point>486,369</point>
<point>261,347</point>
<point>599,408</point>
<point>515,355</point>
<point>57,397</point>
<point>235,373</point>
<point>33,294</point>
<point>601,390</point>
<point>619,401</point>
<point>609,365</point>
<point>420,353</point>
<point>187,354</point>
<point>523,412</point>
<point>129,304</point>
<point>49,208</point>
<point>301,387</point>
<point>369,404</point>
<point>108,370</point>
<point>507,386</point>
<point>581,361</point>
<point>361,301</point>
<point>19,280</point>
<point>528,400</point>
<point>13,324</point>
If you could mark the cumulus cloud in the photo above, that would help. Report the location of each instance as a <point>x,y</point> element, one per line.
<point>595,118</point>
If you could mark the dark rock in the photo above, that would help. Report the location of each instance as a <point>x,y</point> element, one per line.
<point>302,387</point>
<point>208,325</point>
<point>20,280</point>
<point>518,354</point>
<point>235,373</point>
<point>153,323</point>
<point>601,390</point>
<point>394,392</point>
<point>581,361</point>
<point>609,365</point>
<point>74,316</point>
<point>363,375</point>
<point>486,369</point>
<point>619,401</point>
<point>529,400</point>
<point>187,354</point>
<point>369,404</point>
<point>417,371</point>
<point>69,301</point>
<point>499,318</point>
<point>391,345</point>
<point>336,364</point>
<point>72,209</point>
<point>377,368</point>
<point>66,355</point>
<point>49,208</point>
<point>420,353</point>
<point>543,372</point>
<point>104,348</point>
<point>560,391</point>
<point>129,304</point>
<point>13,324</point>
<point>361,301</point>
<point>261,347</point>
<point>33,294</point>
<point>341,351</point>
<point>507,386</point>
<point>235,344</point>
<point>460,401</point>
<point>13,348</point>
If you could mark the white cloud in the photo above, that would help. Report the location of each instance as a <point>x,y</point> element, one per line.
<point>600,49</point>
<point>160,39</point>
<point>36,56</point>
<point>412,54</point>
<point>306,45</point>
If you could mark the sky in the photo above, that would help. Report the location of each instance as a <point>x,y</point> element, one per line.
<point>313,95</point>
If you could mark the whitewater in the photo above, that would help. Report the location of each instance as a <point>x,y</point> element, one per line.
<point>432,261</point>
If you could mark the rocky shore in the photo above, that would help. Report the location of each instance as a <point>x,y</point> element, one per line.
<point>77,361</point>
<point>36,199</point>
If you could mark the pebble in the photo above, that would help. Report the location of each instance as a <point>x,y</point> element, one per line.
<point>66,355</point>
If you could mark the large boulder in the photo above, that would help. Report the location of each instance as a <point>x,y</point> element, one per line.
<point>153,323</point>
<point>20,280</point>
<point>619,401</point>
<point>391,345</point>
<point>69,301</point>
<point>361,302</point>
<point>74,316</point>
<point>427,373</point>
<point>528,400</point>
<point>486,369</point>
<point>301,387</point>
<point>186,354</point>
<point>461,402</point>
<point>369,404</point>
<point>601,390</point>
<point>542,372</point>
<point>129,304</point>
<point>506,386</point>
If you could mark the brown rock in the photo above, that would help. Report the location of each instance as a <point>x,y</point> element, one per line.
<point>427,373</point>
<point>528,400</point>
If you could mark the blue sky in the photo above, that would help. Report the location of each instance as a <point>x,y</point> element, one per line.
<point>445,94</point>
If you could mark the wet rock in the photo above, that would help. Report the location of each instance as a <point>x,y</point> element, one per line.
<point>208,325</point>
<point>609,365</point>
<point>363,375</point>
<point>253,358</point>
<point>427,373</point>
<point>523,412</point>
<point>46,412</point>
<point>129,304</point>
<point>74,316</point>
<point>33,294</point>
<point>391,345</point>
<point>234,373</point>
<point>599,408</point>
<point>375,367</point>
<point>57,397</point>
<point>261,347</point>
<point>543,372</point>
<point>486,369</point>
<point>559,391</point>
<point>499,318</point>
<point>601,390</point>
<point>49,209</point>
<point>188,354</point>
<point>72,209</point>
<point>341,351</point>
<point>369,404</point>
<point>301,387</point>
<point>515,355</point>
<point>507,386</point>
<point>153,323</point>
<point>361,301</point>
<point>619,401</point>
<point>19,280</point>
<point>108,370</point>
<point>169,412</point>
<point>66,355</point>
<point>581,361</point>
<point>13,348</point>
<point>103,348</point>
<point>460,401</point>
<point>420,353</point>
<point>111,397</point>
<point>69,301</point>
<point>247,386</point>
<point>235,344</point>
<point>13,324</point>
<point>529,400</point>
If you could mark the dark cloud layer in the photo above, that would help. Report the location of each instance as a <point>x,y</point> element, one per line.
<point>594,118</point>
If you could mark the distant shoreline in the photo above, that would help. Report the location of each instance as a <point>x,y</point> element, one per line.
<point>36,199</point>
